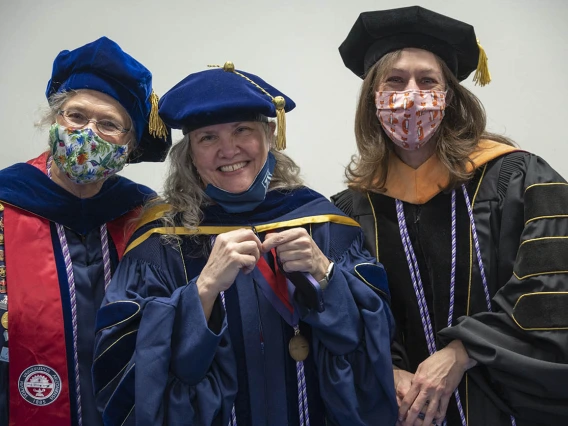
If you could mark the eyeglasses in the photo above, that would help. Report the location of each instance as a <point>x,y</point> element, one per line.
<point>78,120</point>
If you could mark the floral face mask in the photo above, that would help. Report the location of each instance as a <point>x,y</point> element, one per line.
<point>83,156</point>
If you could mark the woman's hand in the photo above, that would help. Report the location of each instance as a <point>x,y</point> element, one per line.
<point>297,252</point>
<point>402,383</point>
<point>433,384</point>
<point>232,252</point>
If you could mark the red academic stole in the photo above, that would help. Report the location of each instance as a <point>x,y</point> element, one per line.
<point>38,369</point>
<point>279,292</point>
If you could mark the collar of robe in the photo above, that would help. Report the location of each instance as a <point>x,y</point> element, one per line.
<point>418,186</point>
<point>27,186</point>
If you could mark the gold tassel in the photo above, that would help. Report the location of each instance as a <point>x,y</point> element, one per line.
<point>157,127</point>
<point>280,103</point>
<point>482,75</point>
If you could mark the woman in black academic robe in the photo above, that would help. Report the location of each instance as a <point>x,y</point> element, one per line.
<point>472,232</point>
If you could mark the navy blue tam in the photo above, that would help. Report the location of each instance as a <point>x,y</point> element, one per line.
<point>223,95</point>
<point>103,66</point>
<point>377,33</point>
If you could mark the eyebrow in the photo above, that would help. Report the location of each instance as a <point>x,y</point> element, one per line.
<point>419,70</point>
<point>105,115</point>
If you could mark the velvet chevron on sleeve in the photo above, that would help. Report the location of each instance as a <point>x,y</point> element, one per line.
<point>520,208</point>
<point>157,361</point>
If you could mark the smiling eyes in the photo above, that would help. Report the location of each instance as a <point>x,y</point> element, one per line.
<point>238,131</point>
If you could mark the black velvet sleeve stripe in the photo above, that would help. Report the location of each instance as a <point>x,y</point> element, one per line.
<point>546,200</point>
<point>542,311</point>
<point>344,201</point>
<point>511,163</point>
<point>542,256</point>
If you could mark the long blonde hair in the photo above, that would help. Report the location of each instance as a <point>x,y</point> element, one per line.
<point>463,126</point>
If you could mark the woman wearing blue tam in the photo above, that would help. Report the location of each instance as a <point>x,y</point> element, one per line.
<point>63,228</point>
<point>472,231</point>
<point>245,298</point>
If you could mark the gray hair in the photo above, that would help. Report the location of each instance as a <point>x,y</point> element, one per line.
<point>184,192</point>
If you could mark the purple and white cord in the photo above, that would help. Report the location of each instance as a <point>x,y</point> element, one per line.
<point>417,281</point>
<point>418,288</point>
<point>477,249</point>
<point>302,390</point>
<point>452,295</point>
<point>72,294</point>
<point>73,302</point>
<point>106,254</point>
<point>479,260</point>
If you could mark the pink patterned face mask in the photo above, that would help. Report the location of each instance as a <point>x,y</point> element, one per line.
<point>410,118</point>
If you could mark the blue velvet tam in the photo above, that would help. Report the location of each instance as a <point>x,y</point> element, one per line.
<point>377,33</point>
<point>103,66</point>
<point>224,95</point>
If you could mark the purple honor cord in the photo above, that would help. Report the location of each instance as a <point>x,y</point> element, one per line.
<point>73,296</point>
<point>417,281</point>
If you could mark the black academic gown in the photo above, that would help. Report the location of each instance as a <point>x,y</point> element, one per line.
<point>521,215</point>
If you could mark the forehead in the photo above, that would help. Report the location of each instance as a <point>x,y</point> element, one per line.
<point>92,100</point>
<point>224,127</point>
<point>416,59</point>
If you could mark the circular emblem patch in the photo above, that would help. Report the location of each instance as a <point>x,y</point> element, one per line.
<point>39,385</point>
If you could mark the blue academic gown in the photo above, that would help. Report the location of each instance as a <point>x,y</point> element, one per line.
<point>157,360</point>
<point>24,186</point>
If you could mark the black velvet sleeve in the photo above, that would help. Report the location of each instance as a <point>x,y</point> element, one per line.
<point>522,345</point>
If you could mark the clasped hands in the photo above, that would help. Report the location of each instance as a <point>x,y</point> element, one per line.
<point>423,397</point>
<point>241,249</point>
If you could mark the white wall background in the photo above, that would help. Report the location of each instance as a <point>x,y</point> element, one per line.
<point>293,45</point>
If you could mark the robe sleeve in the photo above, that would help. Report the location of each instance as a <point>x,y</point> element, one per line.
<point>152,336</point>
<point>356,206</point>
<point>522,345</point>
<point>351,341</point>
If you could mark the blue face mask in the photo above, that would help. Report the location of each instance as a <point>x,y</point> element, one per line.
<point>248,200</point>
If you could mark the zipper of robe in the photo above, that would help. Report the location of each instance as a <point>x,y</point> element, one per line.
<point>73,296</point>
<point>233,419</point>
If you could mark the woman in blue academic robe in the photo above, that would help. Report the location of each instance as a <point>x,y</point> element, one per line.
<point>245,297</point>
<point>63,229</point>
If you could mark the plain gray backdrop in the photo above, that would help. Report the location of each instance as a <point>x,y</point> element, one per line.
<point>292,44</point>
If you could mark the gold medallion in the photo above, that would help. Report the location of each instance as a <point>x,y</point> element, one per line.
<point>1,255</point>
<point>4,320</point>
<point>1,238</point>
<point>2,272</point>
<point>299,347</point>
<point>1,207</point>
